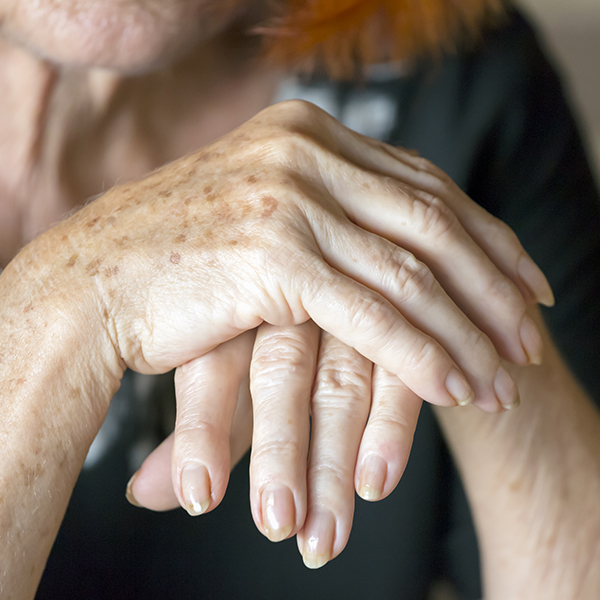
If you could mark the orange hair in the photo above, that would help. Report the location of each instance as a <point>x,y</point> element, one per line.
<point>343,34</point>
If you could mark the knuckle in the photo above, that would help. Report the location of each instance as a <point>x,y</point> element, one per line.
<point>438,220</point>
<point>502,291</point>
<point>298,110</point>
<point>192,424</point>
<point>285,145</point>
<point>422,355</point>
<point>438,178</point>
<point>332,471</point>
<point>342,387</point>
<point>481,346</point>
<point>369,309</point>
<point>388,416</point>
<point>280,351</point>
<point>289,449</point>
<point>412,279</point>
<point>499,233</point>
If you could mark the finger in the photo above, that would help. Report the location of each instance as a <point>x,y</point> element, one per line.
<point>340,406</point>
<point>152,487</point>
<point>366,321</point>
<point>282,374</point>
<point>387,440</point>
<point>496,239</point>
<point>427,226</point>
<point>207,391</point>
<point>412,288</point>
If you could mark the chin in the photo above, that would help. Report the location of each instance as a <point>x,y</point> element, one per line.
<point>126,35</point>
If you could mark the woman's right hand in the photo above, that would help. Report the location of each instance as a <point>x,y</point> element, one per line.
<point>294,217</point>
<point>290,217</point>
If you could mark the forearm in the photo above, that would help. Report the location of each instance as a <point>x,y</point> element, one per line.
<point>533,479</point>
<point>55,387</point>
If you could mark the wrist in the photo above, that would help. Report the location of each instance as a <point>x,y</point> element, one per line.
<point>532,476</point>
<point>58,372</point>
<point>52,321</point>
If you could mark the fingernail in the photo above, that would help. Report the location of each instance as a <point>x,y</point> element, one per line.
<point>195,486</point>
<point>372,477</point>
<point>318,547</point>
<point>279,512</point>
<point>531,275</point>
<point>506,390</point>
<point>531,340</point>
<point>459,388</point>
<point>129,491</point>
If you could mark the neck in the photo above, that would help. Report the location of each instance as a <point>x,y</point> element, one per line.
<point>69,134</point>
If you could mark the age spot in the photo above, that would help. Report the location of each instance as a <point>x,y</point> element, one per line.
<point>72,260</point>
<point>175,258</point>
<point>180,238</point>
<point>269,206</point>
<point>92,222</point>
<point>111,271</point>
<point>93,268</point>
<point>252,179</point>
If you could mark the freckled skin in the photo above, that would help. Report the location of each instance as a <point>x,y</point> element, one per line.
<point>270,205</point>
<point>72,260</point>
<point>143,294</point>
<point>93,268</point>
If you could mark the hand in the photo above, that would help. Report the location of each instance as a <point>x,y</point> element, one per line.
<point>293,216</point>
<point>285,362</point>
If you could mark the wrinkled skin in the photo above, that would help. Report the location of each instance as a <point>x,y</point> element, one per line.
<point>289,221</point>
<point>293,217</point>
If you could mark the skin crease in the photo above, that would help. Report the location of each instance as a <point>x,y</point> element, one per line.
<point>61,159</point>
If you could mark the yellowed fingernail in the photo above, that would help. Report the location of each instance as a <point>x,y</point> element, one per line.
<point>531,275</point>
<point>372,476</point>
<point>195,487</point>
<point>279,512</point>
<point>129,491</point>
<point>318,547</point>
<point>458,387</point>
<point>506,389</point>
<point>531,340</point>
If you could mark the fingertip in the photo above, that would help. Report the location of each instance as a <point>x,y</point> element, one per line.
<point>278,512</point>
<point>372,477</point>
<point>195,489</point>
<point>318,539</point>
<point>531,340</point>
<point>458,387</point>
<point>535,281</point>
<point>129,491</point>
<point>506,389</point>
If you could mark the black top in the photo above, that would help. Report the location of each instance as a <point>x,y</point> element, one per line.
<point>496,121</point>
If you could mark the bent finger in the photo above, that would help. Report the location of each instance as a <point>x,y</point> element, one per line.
<point>151,486</point>
<point>207,391</point>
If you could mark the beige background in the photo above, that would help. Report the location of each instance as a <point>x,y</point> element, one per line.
<point>572,31</point>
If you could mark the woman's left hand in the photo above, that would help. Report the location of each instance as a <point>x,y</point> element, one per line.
<point>305,384</point>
